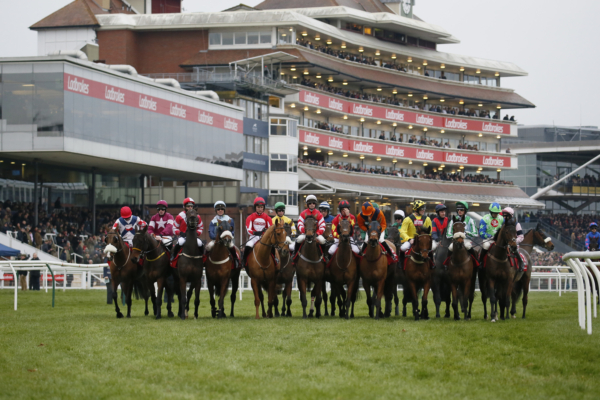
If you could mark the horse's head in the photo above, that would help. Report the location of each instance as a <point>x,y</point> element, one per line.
<point>345,230</point>
<point>224,235</point>
<point>310,228</point>
<point>459,232</point>
<point>423,242</point>
<point>328,233</point>
<point>192,219</point>
<point>541,239</point>
<point>140,243</point>
<point>393,234</point>
<point>279,236</point>
<point>373,233</point>
<point>507,235</point>
<point>593,244</point>
<point>288,229</point>
<point>114,244</point>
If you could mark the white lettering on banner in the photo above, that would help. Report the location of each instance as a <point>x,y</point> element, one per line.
<point>205,118</point>
<point>457,158</point>
<point>114,95</point>
<point>424,155</point>
<point>424,119</point>
<point>177,111</point>
<point>310,138</point>
<point>364,147</point>
<point>78,86</point>
<point>394,151</point>
<point>231,124</point>
<point>336,143</point>
<point>311,98</point>
<point>456,124</point>
<point>494,162</point>
<point>394,115</point>
<point>359,109</point>
<point>336,105</point>
<point>147,103</point>
<point>491,127</point>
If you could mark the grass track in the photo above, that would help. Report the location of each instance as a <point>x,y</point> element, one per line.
<point>88,353</point>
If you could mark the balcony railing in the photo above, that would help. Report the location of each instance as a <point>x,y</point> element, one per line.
<point>202,76</point>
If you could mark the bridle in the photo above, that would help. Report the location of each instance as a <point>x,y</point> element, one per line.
<point>413,253</point>
<point>120,243</point>
<point>145,252</point>
<point>277,245</point>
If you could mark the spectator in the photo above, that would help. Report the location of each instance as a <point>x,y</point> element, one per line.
<point>508,150</point>
<point>34,277</point>
<point>23,274</point>
<point>37,238</point>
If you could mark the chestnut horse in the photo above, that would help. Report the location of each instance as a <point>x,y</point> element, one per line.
<point>157,268</point>
<point>218,268</point>
<point>285,277</point>
<point>310,266</point>
<point>418,272</point>
<point>189,267</point>
<point>374,269</point>
<point>343,269</point>
<point>262,269</point>
<point>537,237</point>
<point>461,272</point>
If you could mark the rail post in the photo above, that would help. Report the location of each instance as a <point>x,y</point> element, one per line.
<point>53,285</point>
<point>16,283</point>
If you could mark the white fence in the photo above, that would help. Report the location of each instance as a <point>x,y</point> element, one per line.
<point>586,287</point>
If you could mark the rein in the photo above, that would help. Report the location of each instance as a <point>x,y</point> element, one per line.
<point>118,251</point>
<point>146,252</point>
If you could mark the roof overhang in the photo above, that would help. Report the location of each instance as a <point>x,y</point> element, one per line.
<point>276,57</point>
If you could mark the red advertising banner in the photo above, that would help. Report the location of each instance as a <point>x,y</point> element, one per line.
<point>403,152</point>
<point>409,117</point>
<point>102,91</point>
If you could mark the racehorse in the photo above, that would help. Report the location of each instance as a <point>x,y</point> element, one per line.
<point>499,275</point>
<point>343,269</point>
<point>218,268</point>
<point>399,276</point>
<point>156,267</point>
<point>310,266</point>
<point>285,277</point>
<point>418,272</point>
<point>262,268</point>
<point>123,271</point>
<point>189,267</point>
<point>532,237</point>
<point>461,272</point>
<point>440,282</point>
<point>328,235</point>
<point>373,269</point>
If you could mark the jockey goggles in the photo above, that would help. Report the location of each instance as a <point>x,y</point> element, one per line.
<point>161,208</point>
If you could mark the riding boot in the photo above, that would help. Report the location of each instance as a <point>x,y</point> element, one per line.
<point>176,249</point>
<point>482,257</point>
<point>233,254</point>
<point>247,251</point>
<point>472,253</point>
<point>521,263</point>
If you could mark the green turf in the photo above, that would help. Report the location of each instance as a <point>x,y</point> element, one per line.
<point>88,353</point>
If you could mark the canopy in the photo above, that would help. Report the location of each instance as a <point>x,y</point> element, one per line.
<point>6,251</point>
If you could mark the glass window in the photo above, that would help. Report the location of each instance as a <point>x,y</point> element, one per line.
<point>257,111</point>
<point>48,104</point>
<point>240,38</point>
<point>275,101</point>
<point>284,36</point>
<point>265,37</point>
<point>278,165</point>
<point>265,147</point>
<point>293,164</point>
<point>252,37</point>
<point>249,144</point>
<point>265,181</point>
<point>214,38</point>
<point>227,38</point>
<point>292,127</point>
<point>257,145</point>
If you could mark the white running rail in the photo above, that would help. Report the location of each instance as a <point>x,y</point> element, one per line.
<point>586,287</point>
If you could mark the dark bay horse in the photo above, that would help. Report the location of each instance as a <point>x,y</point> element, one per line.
<point>343,269</point>
<point>399,276</point>
<point>123,271</point>
<point>189,266</point>
<point>373,268</point>
<point>156,267</point>
<point>499,274</point>
<point>461,272</point>
<point>440,283</point>
<point>418,272</point>
<point>310,266</point>
<point>533,237</point>
<point>285,278</point>
<point>218,268</point>
<point>262,269</point>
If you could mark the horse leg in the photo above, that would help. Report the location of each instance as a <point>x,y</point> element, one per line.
<point>128,295</point>
<point>324,297</point>
<point>493,300</point>
<point>211,293</point>
<point>513,306</point>
<point>255,289</point>
<point>261,297</point>
<point>508,292</point>
<point>396,301</point>
<point>235,283</point>
<point>437,296</point>
<point>288,291</point>
<point>424,301</point>
<point>380,290</point>
<point>272,297</point>
<point>333,295</point>
<point>389,296</point>
<point>455,302</point>
<point>197,299</point>
<point>341,301</point>
<point>224,286</point>
<point>115,297</point>
<point>160,282</point>
<point>414,300</point>
<point>525,297</point>
<point>189,297</point>
<point>302,288</point>
<point>405,292</point>
<point>367,288</point>
<point>467,295</point>
<point>283,299</point>
<point>319,289</point>
<point>183,298</point>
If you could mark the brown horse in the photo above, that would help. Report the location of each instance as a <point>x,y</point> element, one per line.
<point>156,267</point>
<point>499,274</point>
<point>399,276</point>
<point>123,271</point>
<point>189,267</point>
<point>461,272</point>
<point>343,269</point>
<point>262,268</point>
<point>310,266</point>
<point>418,272</point>
<point>533,237</point>
<point>285,278</point>
<point>374,269</point>
<point>218,267</point>
<point>328,235</point>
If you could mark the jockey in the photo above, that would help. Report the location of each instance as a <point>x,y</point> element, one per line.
<point>280,211</point>
<point>488,226</point>
<point>370,213</point>
<point>212,228</point>
<point>593,233</point>
<point>256,224</point>
<point>398,218</point>
<point>311,205</point>
<point>344,209</point>
<point>181,227</point>
<point>439,223</point>
<point>508,214</point>
<point>470,232</point>
<point>325,209</point>
<point>126,225</point>
<point>161,224</point>
<point>410,223</point>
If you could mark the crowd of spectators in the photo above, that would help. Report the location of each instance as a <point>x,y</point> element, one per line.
<point>550,259</point>
<point>439,175</point>
<point>572,228</point>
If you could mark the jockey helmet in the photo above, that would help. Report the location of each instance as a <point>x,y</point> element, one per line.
<point>311,198</point>
<point>375,205</point>
<point>343,204</point>
<point>259,201</point>
<point>508,210</point>
<point>462,205</point>
<point>399,214</point>
<point>440,207</point>
<point>367,209</point>
<point>495,208</point>
<point>279,206</point>
<point>417,204</point>
<point>162,203</point>
<point>220,205</point>
<point>125,212</point>
<point>187,201</point>
<point>593,225</point>
<point>324,205</point>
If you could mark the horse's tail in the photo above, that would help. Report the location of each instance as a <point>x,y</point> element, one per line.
<point>518,288</point>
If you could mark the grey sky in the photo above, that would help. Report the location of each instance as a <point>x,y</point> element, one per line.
<point>547,38</point>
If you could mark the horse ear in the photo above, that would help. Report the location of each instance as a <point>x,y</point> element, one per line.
<point>427,230</point>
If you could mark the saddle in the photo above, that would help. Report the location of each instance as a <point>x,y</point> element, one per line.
<point>514,262</point>
<point>174,262</point>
